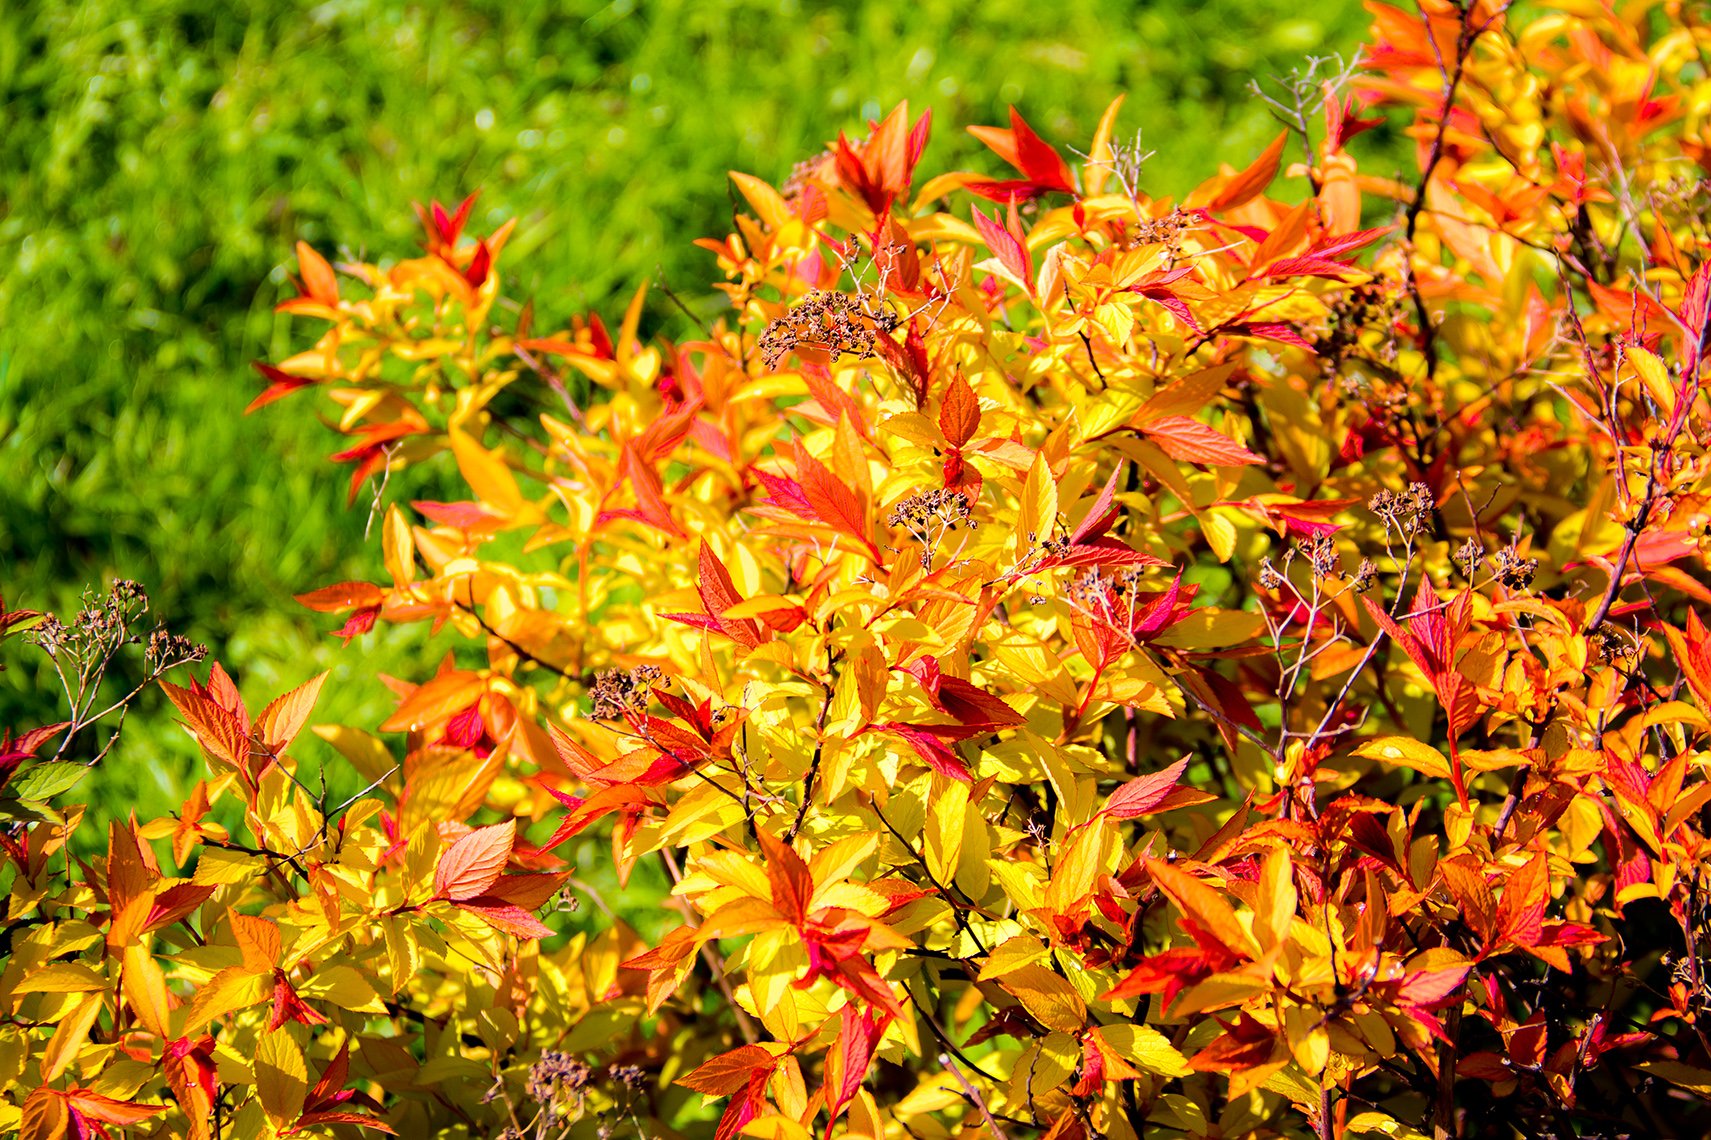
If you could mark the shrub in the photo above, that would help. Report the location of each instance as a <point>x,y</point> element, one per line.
<point>1089,665</point>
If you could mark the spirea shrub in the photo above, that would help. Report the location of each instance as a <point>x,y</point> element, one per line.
<point>1090,665</point>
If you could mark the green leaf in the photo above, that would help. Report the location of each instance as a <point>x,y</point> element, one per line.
<point>45,781</point>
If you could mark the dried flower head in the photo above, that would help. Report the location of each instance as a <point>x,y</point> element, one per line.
<point>1514,571</point>
<point>828,321</point>
<point>1610,645</point>
<point>1321,554</point>
<point>617,692</point>
<point>1405,512</point>
<point>632,1077</point>
<point>929,516</point>
<point>555,1073</point>
<point>1468,555</point>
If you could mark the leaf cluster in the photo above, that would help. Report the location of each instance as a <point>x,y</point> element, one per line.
<point>1089,664</point>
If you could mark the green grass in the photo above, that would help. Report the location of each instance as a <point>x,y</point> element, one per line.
<point>161,156</point>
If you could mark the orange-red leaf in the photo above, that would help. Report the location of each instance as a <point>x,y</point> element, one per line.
<point>728,1072</point>
<point>833,502</point>
<point>1191,441</point>
<point>1247,185</point>
<point>1143,795</point>
<point>342,596</point>
<point>473,864</point>
<point>792,882</point>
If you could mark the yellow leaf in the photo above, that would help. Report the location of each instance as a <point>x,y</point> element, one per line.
<point>1012,954</point>
<point>486,474</point>
<point>1145,1048</point>
<point>1037,518</point>
<point>1676,1073</point>
<point>62,978</point>
<point>769,206</point>
<point>399,549</point>
<point>281,1078</point>
<point>345,987</point>
<point>1304,1028</point>
<point>1088,854</point>
<point>1099,163</point>
<point>364,750</point>
<point>228,991</point>
<point>1046,995</point>
<point>145,989</point>
<point>1276,903</point>
<point>1210,628</point>
<point>69,1037</point>
<point>1408,753</point>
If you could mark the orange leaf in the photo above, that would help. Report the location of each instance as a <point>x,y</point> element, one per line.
<point>342,596</point>
<point>959,418</point>
<point>1521,910</point>
<point>792,882</point>
<point>1190,441</point>
<point>1246,186</point>
<point>1204,906</point>
<point>319,281</point>
<point>110,1111</point>
<point>282,720</point>
<point>46,1116</point>
<point>473,864</point>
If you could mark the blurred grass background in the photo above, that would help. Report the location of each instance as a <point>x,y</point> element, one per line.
<point>161,156</point>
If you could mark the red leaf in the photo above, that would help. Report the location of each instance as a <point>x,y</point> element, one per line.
<point>938,755</point>
<point>718,594</point>
<point>744,1107</point>
<point>175,903</point>
<point>787,493</point>
<point>1101,515</point>
<point>848,1062</point>
<point>463,516</point>
<point>281,384</point>
<point>287,1006</point>
<point>1037,159</point>
<point>358,624</point>
<point>973,705</point>
<point>310,1119</point>
<point>1007,246</point>
<point>473,864</point>
<point>479,266</point>
<point>529,891</point>
<point>1141,796</point>
<point>1044,168</point>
